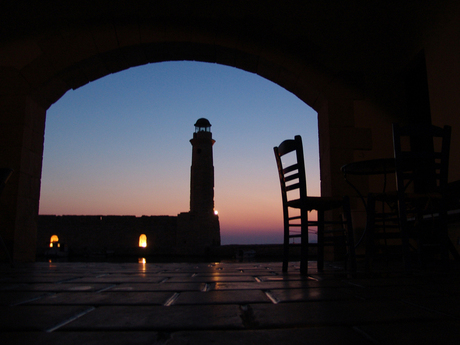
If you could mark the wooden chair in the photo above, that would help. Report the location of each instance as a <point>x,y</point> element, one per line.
<point>415,216</point>
<point>296,206</point>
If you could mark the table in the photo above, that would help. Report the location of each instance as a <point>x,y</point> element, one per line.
<point>370,167</point>
<point>381,166</point>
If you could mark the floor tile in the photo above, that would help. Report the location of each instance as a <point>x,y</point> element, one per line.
<point>12,298</point>
<point>444,331</point>
<point>448,305</point>
<point>119,279</point>
<point>312,294</point>
<point>159,318</point>
<point>104,298</point>
<point>63,287</point>
<point>269,284</point>
<point>345,313</point>
<point>222,297</point>
<point>38,318</point>
<point>201,278</point>
<point>326,335</point>
<point>82,338</point>
<point>159,287</point>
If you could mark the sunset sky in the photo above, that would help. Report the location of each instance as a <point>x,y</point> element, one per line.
<point>120,146</point>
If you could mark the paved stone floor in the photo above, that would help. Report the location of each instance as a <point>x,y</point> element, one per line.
<point>223,303</point>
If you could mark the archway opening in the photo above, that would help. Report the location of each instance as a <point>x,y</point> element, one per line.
<point>122,143</point>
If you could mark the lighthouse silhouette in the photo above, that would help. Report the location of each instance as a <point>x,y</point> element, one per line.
<point>202,170</point>
<point>199,229</point>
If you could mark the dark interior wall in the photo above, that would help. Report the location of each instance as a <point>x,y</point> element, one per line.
<point>416,91</point>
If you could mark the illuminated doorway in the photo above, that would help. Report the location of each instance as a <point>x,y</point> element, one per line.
<point>143,241</point>
<point>54,241</point>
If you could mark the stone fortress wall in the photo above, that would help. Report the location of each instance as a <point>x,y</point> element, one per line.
<point>106,235</point>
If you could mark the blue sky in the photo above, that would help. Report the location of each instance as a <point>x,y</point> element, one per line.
<point>120,146</point>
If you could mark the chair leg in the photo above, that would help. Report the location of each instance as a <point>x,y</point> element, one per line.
<point>405,243</point>
<point>350,233</point>
<point>369,232</point>
<point>286,249</point>
<point>320,247</point>
<point>445,240</point>
<point>304,245</point>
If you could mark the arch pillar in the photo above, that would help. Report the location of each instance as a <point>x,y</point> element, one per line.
<point>339,138</point>
<point>22,128</point>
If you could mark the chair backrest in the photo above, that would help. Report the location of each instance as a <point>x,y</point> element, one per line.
<point>291,169</point>
<point>421,157</point>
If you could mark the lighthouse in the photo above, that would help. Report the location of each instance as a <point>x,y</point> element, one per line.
<point>198,230</point>
<point>202,169</point>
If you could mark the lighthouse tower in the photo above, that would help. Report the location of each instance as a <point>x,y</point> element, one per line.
<point>202,170</point>
<point>199,230</point>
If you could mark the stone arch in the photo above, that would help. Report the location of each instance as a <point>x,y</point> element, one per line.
<point>44,67</point>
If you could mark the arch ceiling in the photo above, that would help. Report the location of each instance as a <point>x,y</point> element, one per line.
<point>69,44</point>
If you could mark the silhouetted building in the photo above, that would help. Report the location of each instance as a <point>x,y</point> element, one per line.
<point>202,170</point>
<point>199,229</point>
<point>190,233</point>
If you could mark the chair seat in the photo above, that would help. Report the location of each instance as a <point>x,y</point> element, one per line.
<point>316,203</point>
